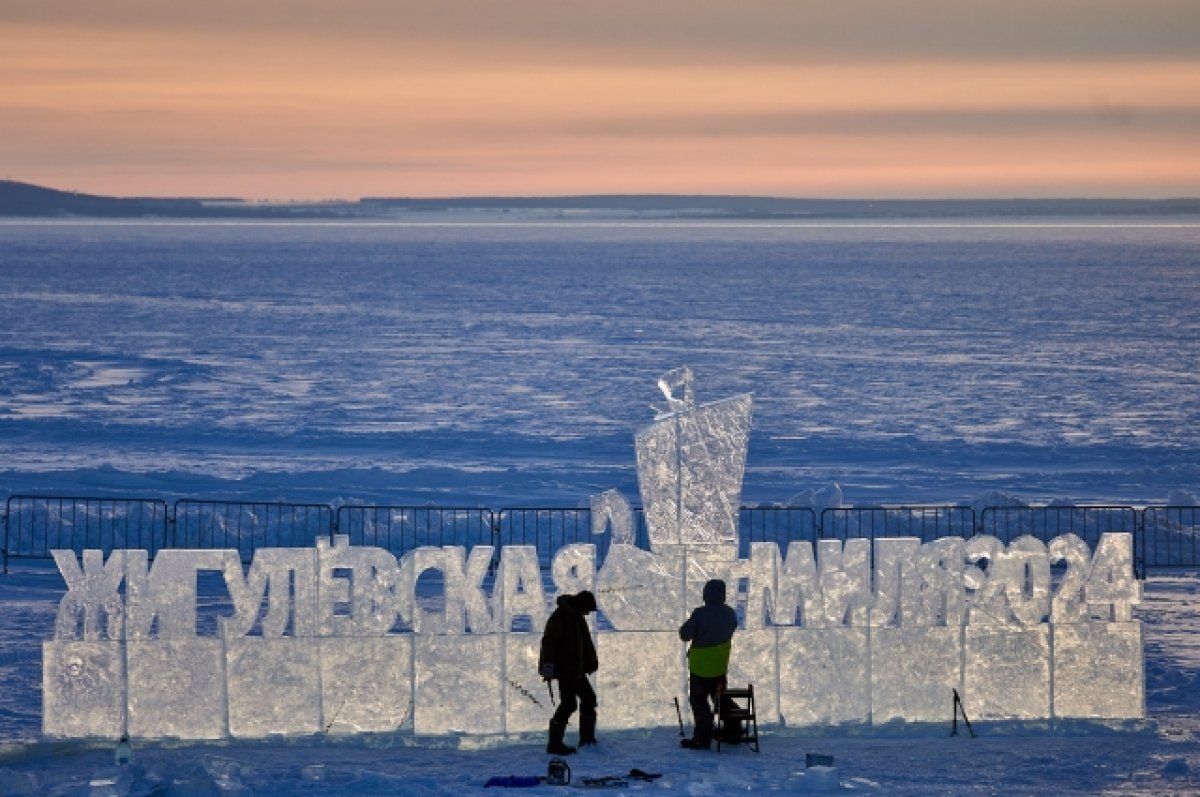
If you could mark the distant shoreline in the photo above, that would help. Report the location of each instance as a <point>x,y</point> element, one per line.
<point>26,201</point>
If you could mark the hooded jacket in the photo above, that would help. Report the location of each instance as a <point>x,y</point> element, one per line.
<point>567,640</point>
<point>710,630</point>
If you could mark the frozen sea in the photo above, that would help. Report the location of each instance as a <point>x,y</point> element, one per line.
<point>510,364</point>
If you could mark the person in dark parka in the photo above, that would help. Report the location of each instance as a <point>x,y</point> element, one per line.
<point>568,656</point>
<point>710,630</point>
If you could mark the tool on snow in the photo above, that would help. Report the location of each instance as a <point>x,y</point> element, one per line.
<point>959,708</point>
<point>558,773</point>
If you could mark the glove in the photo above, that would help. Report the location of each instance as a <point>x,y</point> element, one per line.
<point>546,670</point>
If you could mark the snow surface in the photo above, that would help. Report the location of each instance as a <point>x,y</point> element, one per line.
<point>501,366</point>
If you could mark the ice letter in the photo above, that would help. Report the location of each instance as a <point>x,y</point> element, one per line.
<point>92,593</point>
<point>1024,570</point>
<point>466,603</point>
<point>932,591</point>
<point>357,579</point>
<point>272,572</point>
<point>891,555</point>
<point>168,591</point>
<point>412,565</point>
<point>574,568</point>
<point>987,605</point>
<point>1112,588</point>
<point>1067,606</point>
<point>783,586</point>
<point>845,577</point>
<point>519,587</point>
<point>610,507</point>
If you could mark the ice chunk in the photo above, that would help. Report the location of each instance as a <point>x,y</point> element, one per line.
<point>1007,673</point>
<point>824,675</point>
<point>83,689</point>
<point>1067,605</point>
<point>1098,670</point>
<point>458,684</point>
<point>1023,568</point>
<point>177,688</point>
<point>642,590</point>
<point>527,705</point>
<point>913,671</point>
<point>640,675</point>
<point>466,603</point>
<point>754,659</point>
<point>1112,587</point>
<point>274,685</point>
<point>366,683</point>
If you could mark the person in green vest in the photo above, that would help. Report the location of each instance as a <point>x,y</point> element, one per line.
<point>710,630</point>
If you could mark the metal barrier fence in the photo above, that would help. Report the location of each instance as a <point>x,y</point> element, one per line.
<point>1170,536</point>
<point>36,525</point>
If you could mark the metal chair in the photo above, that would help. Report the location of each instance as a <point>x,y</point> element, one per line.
<point>737,721</point>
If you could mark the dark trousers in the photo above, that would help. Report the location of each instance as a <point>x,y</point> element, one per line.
<point>574,693</point>
<point>700,694</point>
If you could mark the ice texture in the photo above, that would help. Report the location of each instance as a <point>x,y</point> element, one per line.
<point>92,600</point>
<point>1098,670</point>
<point>527,705</point>
<point>83,689</point>
<point>641,590</point>
<point>574,569</point>
<point>913,671</point>
<point>177,688</point>
<point>457,684</point>
<point>690,463</point>
<point>274,685</point>
<point>824,676</point>
<point>640,675</point>
<point>1007,673</point>
<point>610,510</point>
<point>754,659</point>
<point>162,601</point>
<point>366,683</point>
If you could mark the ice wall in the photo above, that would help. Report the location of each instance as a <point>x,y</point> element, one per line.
<point>338,639</point>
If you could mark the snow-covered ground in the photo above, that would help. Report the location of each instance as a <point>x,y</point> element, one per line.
<point>511,365</point>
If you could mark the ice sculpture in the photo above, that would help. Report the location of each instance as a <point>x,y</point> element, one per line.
<point>691,461</point>
<point>344,639</point>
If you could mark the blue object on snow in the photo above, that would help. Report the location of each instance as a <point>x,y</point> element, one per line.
<point>514,781</point>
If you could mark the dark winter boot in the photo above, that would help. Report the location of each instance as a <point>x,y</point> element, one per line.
<point>587,729</point>
<point>556,746</point>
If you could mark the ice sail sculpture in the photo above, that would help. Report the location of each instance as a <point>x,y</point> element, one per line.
<point>690,463</point>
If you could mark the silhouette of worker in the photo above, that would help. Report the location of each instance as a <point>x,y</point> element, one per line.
<point>569,656</point>
<point>710,630</point>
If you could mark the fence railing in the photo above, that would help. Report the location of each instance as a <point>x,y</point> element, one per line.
<point>35,525</point>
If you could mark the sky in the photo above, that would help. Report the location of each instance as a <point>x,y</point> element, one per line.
<point>341,99</point>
